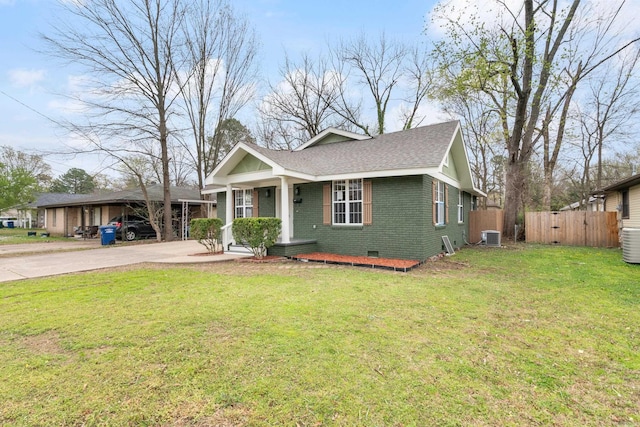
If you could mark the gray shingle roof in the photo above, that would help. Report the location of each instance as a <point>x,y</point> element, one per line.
<point>126,196</point>
<point>623,184</point>
<point>51,198</point>
<point>422,147</point>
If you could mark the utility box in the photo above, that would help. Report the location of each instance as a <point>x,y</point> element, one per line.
<point>491,238</point>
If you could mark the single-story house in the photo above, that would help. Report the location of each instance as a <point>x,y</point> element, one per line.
<point>63,217</point>
<point>593,204</point>
<point>393,195</point>
<point>624,197</point>
<point>28,215</point>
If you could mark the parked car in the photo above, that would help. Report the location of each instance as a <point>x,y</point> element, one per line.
<point>10,222</point>
<point>132,228</point>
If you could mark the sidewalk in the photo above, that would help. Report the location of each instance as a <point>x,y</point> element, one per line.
<point>62,258</point>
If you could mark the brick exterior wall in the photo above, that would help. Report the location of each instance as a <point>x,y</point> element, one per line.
<point>267,205</point>
<point>402,221</point>
<point>402,224</point>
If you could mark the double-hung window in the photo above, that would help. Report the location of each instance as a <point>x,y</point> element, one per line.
<point>625,204</point>
<point>243,203</point>
<point>440,203</point>
<point>347,202</point>
<point>460,207</point>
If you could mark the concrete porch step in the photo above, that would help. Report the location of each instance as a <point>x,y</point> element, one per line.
<point>238,249</point>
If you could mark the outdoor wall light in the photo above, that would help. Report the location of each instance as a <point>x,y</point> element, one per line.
<point>267,193</point>
<point>297,191</point>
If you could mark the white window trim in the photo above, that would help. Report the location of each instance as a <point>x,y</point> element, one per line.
<point>440,207</point>
<point>244,205</point>
<point>460,207</point>
<point>347,202</point>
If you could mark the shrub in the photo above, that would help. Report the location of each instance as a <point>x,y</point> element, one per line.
<point>257,234</point>
<point>207,232</point>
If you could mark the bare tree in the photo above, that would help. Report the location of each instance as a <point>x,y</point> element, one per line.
<point>218,78</point>
<point>128,49</point>
<point>363,84</point>
<point>610,106</point>
<point>481,129</point>
<point>592,43</point>
<point>301,105</point>
<point>420,82</point>
<point>378,67</point>
<point>148,163</point>
<point>525,46</point>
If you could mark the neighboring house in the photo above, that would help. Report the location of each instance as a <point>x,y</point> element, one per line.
<point>28,215</point>
<point>624,197</point>
<point>64,216</point>
<point>594,204</point>
<point>393,195</point>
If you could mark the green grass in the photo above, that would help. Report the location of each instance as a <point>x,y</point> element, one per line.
<point>527,336</point>
<point>12,236</point>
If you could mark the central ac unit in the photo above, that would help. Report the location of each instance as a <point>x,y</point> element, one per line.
<point>491,238</point>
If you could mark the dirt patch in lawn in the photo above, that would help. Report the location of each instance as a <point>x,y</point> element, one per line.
<point>46,343</point>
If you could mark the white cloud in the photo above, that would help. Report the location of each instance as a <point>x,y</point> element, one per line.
<point>25,78</point>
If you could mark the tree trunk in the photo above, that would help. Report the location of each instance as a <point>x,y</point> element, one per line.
<point>166,181</point>
<point>546,193</point>
<point>515,188</point>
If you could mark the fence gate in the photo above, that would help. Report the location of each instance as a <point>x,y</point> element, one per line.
<point>572,228</point>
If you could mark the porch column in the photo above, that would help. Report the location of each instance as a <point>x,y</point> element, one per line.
<point>285,236</point>
<point>228,206</point>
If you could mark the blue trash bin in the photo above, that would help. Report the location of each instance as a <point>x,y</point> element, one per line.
<point>9,224</point>
<point>107,234</point>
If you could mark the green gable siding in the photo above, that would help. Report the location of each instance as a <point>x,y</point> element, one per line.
<point>332,138</point>
<point>249,164</point>
<point>450,169</point>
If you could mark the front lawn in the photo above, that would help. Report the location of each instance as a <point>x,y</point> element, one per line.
<point>530,335</point>
<point>13,236</point>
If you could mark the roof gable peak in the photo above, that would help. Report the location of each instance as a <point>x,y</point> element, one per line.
<point>325,134</point>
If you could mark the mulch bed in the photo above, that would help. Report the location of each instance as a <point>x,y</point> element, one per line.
<point>359,261</point>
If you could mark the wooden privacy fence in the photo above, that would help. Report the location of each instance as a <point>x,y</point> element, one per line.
<point>480,221</point>
<point>572,228</point>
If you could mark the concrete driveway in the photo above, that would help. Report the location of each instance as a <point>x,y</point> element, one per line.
<point>51,258</point>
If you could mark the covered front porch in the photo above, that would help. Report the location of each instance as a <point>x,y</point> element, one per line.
<point>263,198</point>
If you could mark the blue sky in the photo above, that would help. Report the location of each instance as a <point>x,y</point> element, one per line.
<point>30,82</point>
